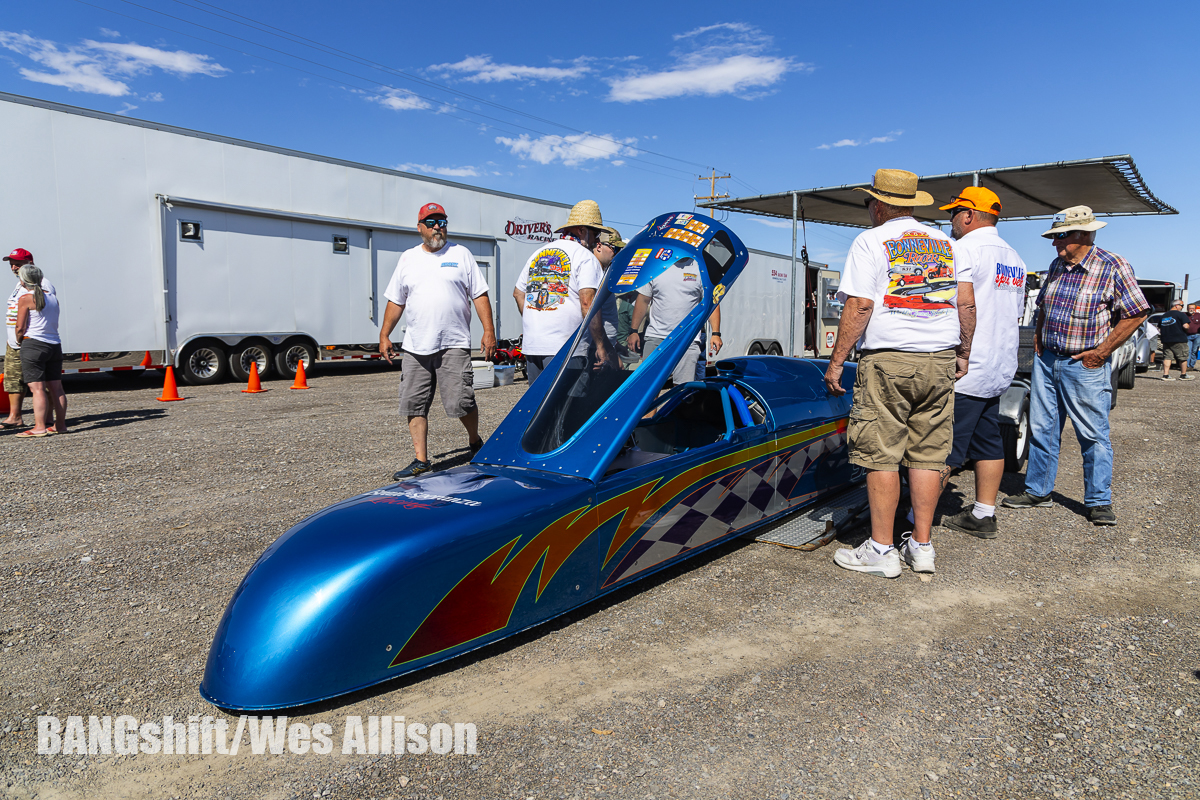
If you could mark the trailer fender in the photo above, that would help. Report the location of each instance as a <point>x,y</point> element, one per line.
<point>1012,401</point>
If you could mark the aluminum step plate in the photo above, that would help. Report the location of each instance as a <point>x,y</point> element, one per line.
<point>816,525</point>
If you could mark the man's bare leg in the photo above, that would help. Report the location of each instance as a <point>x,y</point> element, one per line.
<point>988,475</point>
<point>418,428</point>
<point>470,421</point>
<point>15,401</point>
<point>883,490</point>
<point>924,486</point>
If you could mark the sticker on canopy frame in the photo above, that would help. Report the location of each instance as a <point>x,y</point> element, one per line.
<point>639,257</point>
<point>628,276</point>
<point>718,292</point>
<point>697,226</point>
<point>664,254</point>
<point>682,218</point>
<point>683,236</point>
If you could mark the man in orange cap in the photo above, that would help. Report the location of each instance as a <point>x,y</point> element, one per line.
<point>998,275</point>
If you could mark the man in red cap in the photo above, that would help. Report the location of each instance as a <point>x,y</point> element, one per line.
<point>437,282</point>
<point>14,386</point>
<point>998,275</point>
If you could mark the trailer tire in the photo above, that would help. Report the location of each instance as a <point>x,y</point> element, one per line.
<point>1016,441</point>
<point>756,349</point>
<point>244,353</point>
<point>775,350</point>
<point>203,364</point>
<point>290,354</point>
<point>1128,376</point>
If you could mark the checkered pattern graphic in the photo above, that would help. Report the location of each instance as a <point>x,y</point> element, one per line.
<point>717,508</point>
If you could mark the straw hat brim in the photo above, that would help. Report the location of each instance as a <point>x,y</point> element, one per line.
<point>1094,225</point>
<point>597,228</point>
<point>921,198</point>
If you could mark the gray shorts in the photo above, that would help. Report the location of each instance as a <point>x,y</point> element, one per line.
<point>449,371</point>
<point>685,370</point>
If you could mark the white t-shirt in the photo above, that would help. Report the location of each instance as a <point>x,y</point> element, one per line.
<point>551,281</point>
<point>10,313</point>
<point>998,274</point>
<point>673,295</point>
<point>436,290</point>
<point>908,270</point>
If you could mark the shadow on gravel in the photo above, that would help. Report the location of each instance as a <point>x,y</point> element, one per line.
<point>113,419</point>
<point>516,640</point>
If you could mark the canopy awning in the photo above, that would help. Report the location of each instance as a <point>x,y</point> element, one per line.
<point>1111,185</point>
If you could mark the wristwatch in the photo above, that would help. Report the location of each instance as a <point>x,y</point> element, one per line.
<point>716,333</point>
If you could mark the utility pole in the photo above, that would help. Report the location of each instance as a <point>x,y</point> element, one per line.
<point>712,186</point>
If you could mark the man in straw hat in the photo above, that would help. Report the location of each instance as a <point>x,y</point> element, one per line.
<point>911,310</point>
<point>998,278</point>
<point>556,288</point>
<point>1074,338</point>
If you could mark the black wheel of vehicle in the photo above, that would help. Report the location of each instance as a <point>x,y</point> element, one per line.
<point>1128,376</point>
<point>290,354</point>
<point>1115,381</point>
<point>1016,441</point>
<point>775,350</point>
<point>202,364</point>
<point>756,349</point>
<point>243,354</point>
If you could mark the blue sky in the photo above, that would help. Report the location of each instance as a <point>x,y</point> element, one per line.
<point>628,104</point>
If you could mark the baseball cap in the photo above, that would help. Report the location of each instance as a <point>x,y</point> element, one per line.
<point>429,210</point>
<point>976,198</point>
<point>20,254</point>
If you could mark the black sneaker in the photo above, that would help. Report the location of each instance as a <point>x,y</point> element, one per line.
<point>1101,515</point>
<point>417,467</point>
<point>1027,500</point>
<point>475,446</point>
<point>967,522</point>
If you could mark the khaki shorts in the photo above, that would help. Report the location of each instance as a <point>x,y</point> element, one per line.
<point>12,370</point>
<point>447,370</point>
<point>1175,351</point>
<point>903,410</point>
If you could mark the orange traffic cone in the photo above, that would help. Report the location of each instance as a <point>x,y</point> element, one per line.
<point>170,391</point>
<point>5,408</point>
<point>87,357</point>
<point>147,361</point>
<point>255,385</point>
<point>301,382</point>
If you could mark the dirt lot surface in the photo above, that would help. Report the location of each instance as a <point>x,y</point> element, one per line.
<point>1059,660</point>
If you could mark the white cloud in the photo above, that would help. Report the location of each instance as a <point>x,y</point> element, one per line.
<point>153,97</point>
<point>110,33</point>
<point>398,100</point>
<point>450,172</point>
<point>726,58</point>
<point>891,136</point>
<point>102,67</point>
<point>570,150</point>
<point>481,69</point>
<point>126,108</point>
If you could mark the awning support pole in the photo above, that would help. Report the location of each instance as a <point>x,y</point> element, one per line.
<point>792,328</point>
<point>975,179</point>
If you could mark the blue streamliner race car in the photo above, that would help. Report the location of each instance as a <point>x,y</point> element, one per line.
<point>596,478</point>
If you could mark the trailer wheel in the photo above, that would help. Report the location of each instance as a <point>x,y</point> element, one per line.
<point>289,356</point>
<point>246,352</point>
<point>1128,375</point>
<point>756,349</point>
<point>202,364</point>
<point>775,350</point>
<point>1016,441</point>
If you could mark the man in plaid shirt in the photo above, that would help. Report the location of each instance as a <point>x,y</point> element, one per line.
<point>1085,289</point>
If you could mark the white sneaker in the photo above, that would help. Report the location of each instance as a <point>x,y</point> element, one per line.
<point>919,559</point>
<point>864,558</point>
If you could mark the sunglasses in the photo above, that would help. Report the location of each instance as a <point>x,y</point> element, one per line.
<point>434,223</point>
<point>1062,235</point>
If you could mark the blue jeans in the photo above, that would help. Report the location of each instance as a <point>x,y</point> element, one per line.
<point>1193,347</point>
<point>1065,388</point>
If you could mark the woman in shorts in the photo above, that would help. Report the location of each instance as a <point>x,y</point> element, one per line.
<point>41,353</point>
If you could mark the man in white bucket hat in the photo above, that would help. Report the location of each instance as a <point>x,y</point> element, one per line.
<point>1074,339</point>
<point>556,288</point>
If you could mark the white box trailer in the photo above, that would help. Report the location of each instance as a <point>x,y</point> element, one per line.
<point>756,314</point>
<point>168,245</point>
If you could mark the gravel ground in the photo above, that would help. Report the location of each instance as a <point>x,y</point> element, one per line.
<point>1059,660</point>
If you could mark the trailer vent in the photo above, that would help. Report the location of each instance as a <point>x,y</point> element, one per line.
<point>190,231</point>
<point>341,244</point>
